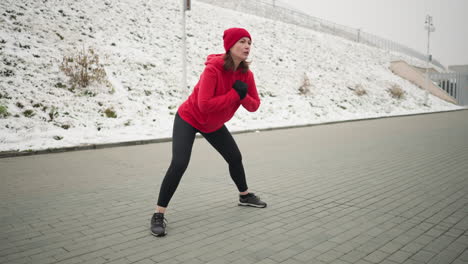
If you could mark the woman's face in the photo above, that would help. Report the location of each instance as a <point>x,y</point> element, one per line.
<point>240,51</point>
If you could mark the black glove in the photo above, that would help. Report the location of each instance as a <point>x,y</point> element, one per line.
<point>241,88</point>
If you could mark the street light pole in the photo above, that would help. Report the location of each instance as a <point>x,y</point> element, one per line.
<point>186,5</point>
<point>429,26</point>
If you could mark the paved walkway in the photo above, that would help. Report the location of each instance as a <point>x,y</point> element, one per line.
<point>379,191</point>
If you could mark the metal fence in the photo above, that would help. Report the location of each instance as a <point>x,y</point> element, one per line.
<point>455,84</point>
<point>270,11</point>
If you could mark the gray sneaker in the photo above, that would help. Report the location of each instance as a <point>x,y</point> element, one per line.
<point>158,226</point>
<point>252,200</point>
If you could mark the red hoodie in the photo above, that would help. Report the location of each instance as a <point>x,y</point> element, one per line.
<point>213,101</point>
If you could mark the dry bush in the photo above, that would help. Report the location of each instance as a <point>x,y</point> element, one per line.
<point>83,68</point>
<point>359,90</point>
<point>396,91</point>
<point>304,89</point>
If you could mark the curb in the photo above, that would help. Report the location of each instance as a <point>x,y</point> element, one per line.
<point>9,154</point>
<point>343,121</point>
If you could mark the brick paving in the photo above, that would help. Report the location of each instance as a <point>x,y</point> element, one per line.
<point>387,191</point>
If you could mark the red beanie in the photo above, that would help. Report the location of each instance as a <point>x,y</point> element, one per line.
<point>232,35</point>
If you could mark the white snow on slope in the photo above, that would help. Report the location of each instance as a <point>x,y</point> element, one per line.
<point>139,45</point>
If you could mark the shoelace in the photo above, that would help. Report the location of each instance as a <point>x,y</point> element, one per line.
<point>160,221</point>
<point>254,198</point>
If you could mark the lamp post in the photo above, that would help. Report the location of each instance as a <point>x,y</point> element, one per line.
<point>186,6</point>
<point>429,26</point>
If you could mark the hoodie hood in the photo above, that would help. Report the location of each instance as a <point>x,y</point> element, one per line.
<point>216,60</point>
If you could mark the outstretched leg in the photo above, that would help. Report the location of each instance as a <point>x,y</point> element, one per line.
<point>225,144</point>
<point>183,136</point>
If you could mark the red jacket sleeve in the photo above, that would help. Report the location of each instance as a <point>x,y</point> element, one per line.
<point>207,101</point>
<point>251,102</point>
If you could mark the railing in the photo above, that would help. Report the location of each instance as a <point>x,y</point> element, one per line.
<point>455,84</point>
<point>286,15</point>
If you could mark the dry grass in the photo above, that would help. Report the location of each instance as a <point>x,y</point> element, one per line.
<point>83,68</point>
<point>304,89</point>
<point>396,91</point>
<point>359,90</point>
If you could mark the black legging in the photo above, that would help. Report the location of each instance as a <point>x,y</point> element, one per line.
<point>183,136</point>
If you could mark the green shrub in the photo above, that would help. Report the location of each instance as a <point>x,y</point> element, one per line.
<point>110,113</point>
<point>4,111</point>
<point>28,113</point>
<point>60,85</point>
<point>53,113</point>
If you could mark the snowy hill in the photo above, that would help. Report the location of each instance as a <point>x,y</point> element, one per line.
<point>303,76</point>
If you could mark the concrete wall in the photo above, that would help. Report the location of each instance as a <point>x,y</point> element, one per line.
<point>408,72</point>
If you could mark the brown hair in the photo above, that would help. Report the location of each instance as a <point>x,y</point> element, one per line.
<point>229,63</point>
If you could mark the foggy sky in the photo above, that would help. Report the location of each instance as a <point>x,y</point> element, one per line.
<point>402,21</point>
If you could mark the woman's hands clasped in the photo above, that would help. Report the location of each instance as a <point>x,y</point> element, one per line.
<point>241,88</point>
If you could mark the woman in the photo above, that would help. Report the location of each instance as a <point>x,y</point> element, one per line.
<point>225,84</point>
